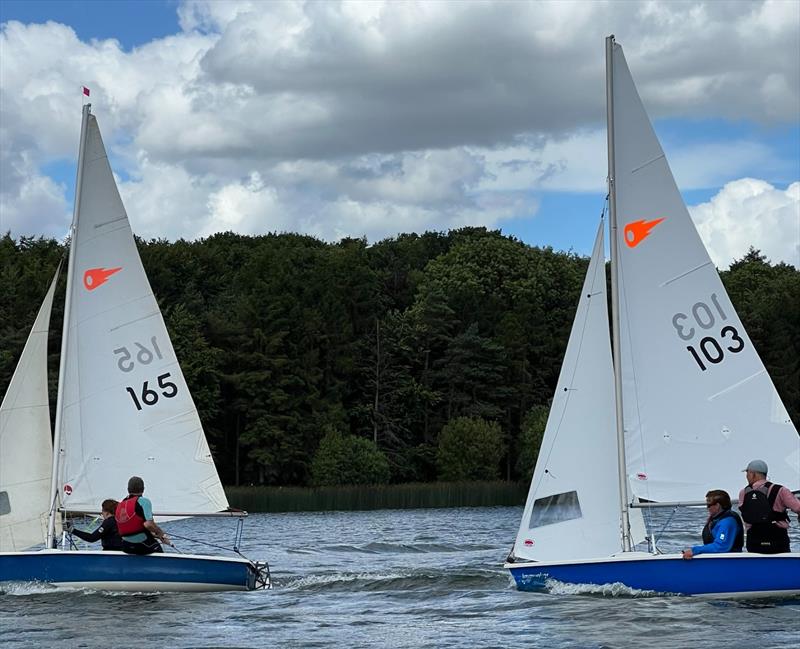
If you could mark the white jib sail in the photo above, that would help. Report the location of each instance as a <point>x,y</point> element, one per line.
<point>126,407</point>
<point>572,511</point>
<point>26,447</point>
<point>698,402</point>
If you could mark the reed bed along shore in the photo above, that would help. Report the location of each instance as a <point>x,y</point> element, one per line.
<point>369,497</point>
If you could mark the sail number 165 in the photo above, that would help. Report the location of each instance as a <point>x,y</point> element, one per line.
<point>150,397</point>
<point>709,349</point>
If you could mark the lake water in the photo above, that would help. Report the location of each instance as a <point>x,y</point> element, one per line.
<point>412,578</point>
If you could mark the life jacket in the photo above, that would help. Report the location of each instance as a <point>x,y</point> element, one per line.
<point>738,542</point>
<point>128,521</point>
<point>758,505</point>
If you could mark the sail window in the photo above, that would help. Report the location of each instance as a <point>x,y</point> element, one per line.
<point>555,509</point>
<point>5,504</point>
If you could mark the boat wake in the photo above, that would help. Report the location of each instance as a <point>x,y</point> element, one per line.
<point>24,588</point>
<point>31,588</point>
<point>616,589</point>
<point>394,580</point>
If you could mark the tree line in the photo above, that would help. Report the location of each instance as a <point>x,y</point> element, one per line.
<point>417,358</point>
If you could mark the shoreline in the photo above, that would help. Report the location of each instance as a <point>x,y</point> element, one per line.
<point>263,499</point>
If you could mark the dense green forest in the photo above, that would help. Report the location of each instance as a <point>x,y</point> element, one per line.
<point>417,358</point>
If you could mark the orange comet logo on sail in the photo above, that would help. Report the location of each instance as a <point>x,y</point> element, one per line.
<point>95,277</point>
<point>638,231</point>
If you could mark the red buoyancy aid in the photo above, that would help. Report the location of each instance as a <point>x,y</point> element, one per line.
<point>128,521</point>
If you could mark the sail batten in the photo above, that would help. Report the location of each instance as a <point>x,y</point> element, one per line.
<point>135,321</point>
<point>648,163</point>
<point>737,385</point>
<point>684,274</point>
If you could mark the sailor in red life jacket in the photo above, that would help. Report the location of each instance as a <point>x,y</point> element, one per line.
<point>763,506</point>
<point>135,522</point>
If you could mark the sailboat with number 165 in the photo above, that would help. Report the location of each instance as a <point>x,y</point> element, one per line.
<point>123,409</point>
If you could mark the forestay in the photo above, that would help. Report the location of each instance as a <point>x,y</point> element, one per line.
<point>126,408</point>
<point>572,511</point>
<point>26,448</point>
<point>698,403</point>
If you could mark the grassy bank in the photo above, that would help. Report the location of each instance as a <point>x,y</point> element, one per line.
<point>402,496</point>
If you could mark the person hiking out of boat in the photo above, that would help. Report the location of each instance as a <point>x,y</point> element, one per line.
<point>106,532</point>
<point>134,516</point>
<point>763,506</point>
<point>723,531</point>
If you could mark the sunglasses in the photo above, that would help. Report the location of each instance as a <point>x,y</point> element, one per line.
<point>710,505</point>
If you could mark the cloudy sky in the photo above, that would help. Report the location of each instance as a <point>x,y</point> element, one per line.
<point>374,118</point>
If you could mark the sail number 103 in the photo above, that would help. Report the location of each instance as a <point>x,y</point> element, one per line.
<point>710,349</point>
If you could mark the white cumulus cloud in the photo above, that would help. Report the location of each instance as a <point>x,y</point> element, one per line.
<point>750,212</point>
<point>373,118</point>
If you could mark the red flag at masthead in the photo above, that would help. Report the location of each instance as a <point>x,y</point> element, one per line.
<point>85,91</point>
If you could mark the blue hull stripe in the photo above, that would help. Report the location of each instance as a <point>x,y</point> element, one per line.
<point>87,567</point>
<point>706,575</point>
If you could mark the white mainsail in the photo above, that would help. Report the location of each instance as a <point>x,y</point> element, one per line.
<point>26,447</point>
<point>126,409</point>
<point>698,403</point>
<point>571,511</point>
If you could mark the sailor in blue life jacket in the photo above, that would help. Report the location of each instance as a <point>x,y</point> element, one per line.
<point>135,522</point>
<point>723,531</point>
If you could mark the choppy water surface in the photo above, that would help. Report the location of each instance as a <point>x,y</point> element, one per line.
<point>420,578</point>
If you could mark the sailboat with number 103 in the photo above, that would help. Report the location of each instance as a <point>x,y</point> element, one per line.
<point>123,409</point>
<point>679,409</point>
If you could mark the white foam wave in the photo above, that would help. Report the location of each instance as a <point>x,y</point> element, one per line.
<point>23,588</point>
<point>339,578</point>
<point>27,588</point>
<point>607,590</point>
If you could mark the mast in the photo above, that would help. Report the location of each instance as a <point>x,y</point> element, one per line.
<point>54,487</point>
<point>615,329</point>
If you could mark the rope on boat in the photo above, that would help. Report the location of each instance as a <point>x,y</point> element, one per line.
<point>211,545</point>
<point>69,538</point>
<point>172,545</point>
<point>669,520</point>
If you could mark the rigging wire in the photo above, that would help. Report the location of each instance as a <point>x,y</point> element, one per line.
<point>235,548</point>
